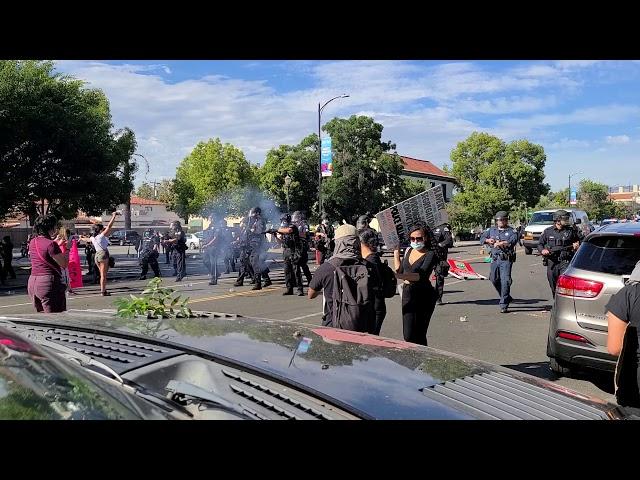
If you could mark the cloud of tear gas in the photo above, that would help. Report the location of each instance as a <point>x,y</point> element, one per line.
<point>239,201</point>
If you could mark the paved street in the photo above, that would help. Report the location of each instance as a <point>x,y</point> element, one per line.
<point>515,340</point>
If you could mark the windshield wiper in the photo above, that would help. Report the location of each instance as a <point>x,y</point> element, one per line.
<point>184,391</point>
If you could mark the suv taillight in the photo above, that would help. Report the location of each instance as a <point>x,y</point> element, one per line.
<point>578,287</point>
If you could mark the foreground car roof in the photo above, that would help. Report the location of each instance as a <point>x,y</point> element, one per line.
<point>374,377</point>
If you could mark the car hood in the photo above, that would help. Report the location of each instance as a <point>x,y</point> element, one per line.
<point>537,228</point>
<point>372,376</point>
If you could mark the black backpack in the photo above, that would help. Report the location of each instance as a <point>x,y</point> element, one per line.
<point>353,296</point>
<point>389,281</point>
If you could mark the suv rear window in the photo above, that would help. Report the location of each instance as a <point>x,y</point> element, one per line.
<point>616,255</point>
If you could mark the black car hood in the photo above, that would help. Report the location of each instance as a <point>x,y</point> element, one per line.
<point>375,377</point>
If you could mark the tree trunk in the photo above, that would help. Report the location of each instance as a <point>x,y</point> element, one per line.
<point>127,214</point>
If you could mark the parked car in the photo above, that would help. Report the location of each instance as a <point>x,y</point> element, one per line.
<point>543,219</point>
<point>95,365</point>
<point>125,237</point>
<point>194,241</point>
<point>578,326</point>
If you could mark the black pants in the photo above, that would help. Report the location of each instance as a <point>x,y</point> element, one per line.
<point>290,270</point>
<point>167,252</point>
<point>180,264</point>
<point>245,269</point>
<point>257,264</point>
<point>211,262</point>
<point>8,268</point>
<point>381,311</point>
<point>554,270</point>
<point>150,260</point>
<point>418,304</point>
<point>302,265</point>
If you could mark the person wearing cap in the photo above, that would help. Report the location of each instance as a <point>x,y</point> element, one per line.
<point>502,239</point>
<point>347,253</point>
<point>557,246</point>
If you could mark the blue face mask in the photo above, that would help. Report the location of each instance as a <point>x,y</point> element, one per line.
<point>417,245</point>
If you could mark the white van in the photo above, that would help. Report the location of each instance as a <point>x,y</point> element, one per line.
<point>543,219</point>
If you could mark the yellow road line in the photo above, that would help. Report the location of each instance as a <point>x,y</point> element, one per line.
<point>231,295</point>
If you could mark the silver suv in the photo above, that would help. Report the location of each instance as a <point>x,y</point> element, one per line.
<point>578,326</point>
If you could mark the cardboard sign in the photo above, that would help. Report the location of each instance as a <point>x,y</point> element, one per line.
<point>463,270</point>
<point>394,222</point>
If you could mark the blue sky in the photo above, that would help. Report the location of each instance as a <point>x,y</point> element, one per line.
<point>586,114</point>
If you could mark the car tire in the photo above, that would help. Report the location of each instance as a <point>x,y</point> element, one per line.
<point>528,251</point>
<point>192,246</point>
<point>560,368</point>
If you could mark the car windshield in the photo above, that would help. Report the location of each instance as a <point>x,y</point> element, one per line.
<point>35,386</point>
<point>616,255</point>
<point>542,218</point>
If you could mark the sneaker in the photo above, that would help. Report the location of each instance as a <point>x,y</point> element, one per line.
<point>238,284</point>
<point>106,294</point>
<point>288,292</point>
<point>503,310</point>
<point>178,279</point>
<point>300,293</point>
<point>267,282</point>
<point>257,287</point>
<point>440,302</point>
<point>211,282</point>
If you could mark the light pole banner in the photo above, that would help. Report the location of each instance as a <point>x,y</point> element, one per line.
<point>394,222</point>
<point>326,164</point>
<point>573,196</point>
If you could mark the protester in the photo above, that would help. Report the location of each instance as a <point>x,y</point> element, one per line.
<point>45,285</point>
<point>103,259</point>
<point>7,257</point>
<point>63,239</point>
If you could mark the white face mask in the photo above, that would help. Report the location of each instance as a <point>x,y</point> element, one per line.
<point>417,245</point>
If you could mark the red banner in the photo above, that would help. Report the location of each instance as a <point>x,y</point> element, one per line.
<point>75,270</point>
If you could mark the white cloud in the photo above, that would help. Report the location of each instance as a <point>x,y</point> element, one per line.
<point>424,107</point>
<point>617,139</point>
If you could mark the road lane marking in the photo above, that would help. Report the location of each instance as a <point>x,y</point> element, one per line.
<point>304,316</point>
<point>235,294</point>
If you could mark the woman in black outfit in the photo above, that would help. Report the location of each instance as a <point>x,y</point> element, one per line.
<point>418,295</point>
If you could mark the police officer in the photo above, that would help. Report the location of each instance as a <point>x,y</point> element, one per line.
<point>179,247</point>
<point>209,254</point>
<point>244,269</point>
<point>557,245</point>
<point>503,239</point>
<point>291,249</point>
<point>224,246</point>
<point>304,231</point>
<point>149,253</point>
<point>324,242</point>
<point>444,241</point>
<point>256,230</point>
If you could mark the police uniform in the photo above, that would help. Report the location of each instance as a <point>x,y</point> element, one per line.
<point>325,245</point>
<point>209,256</point>
<point>560,243</point>
<point>291,249</point>
<point>244,269</point>
<point>149,255</point>
<point>501,261</point>
<point>179,255</point>
<point>256,241</point>
<point>303,230</point>
<point>444,241</point>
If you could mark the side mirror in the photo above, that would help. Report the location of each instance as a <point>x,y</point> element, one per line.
<point>578,221</point>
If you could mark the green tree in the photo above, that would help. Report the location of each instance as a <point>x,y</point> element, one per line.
<point>56,145</point>
<point>300,162</point>
<point>208,177</point>
<point>493,175</point>
<point>165,191</point>
<point>366,175</point>
<point>145,191</point>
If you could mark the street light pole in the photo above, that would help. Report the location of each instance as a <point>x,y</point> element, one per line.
<point>320,108</point>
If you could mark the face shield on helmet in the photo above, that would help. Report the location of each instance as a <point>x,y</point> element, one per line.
<point>563,217</point>
<point>297,217</point>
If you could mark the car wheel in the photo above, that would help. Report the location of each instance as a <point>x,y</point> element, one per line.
<point>560,368</point>
<point>528,251</point>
